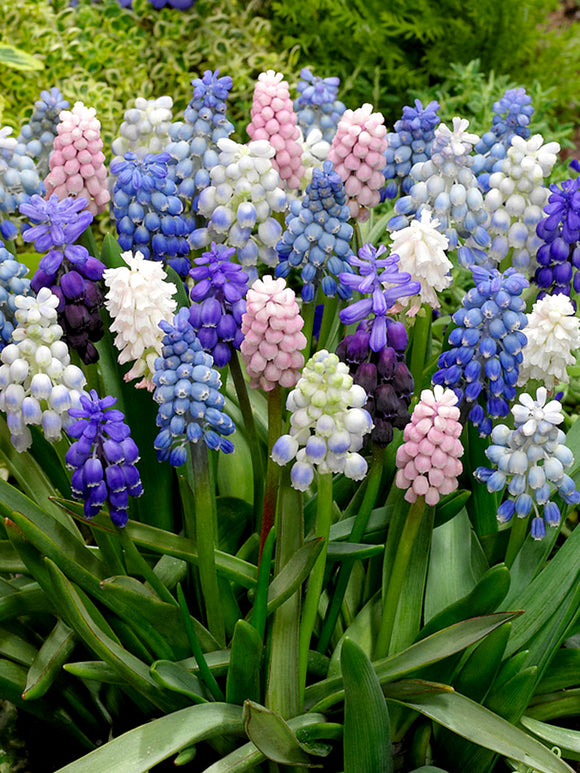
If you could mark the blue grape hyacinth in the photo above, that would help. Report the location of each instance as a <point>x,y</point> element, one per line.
<point>531,460</point>
<point>482,365</point>
<point>103,458</point>
<point>218,296</point>
<point>19,180</point>
<point>13,282</point>
<point>148,211</point>
<point>38,134</point>
<point>409,144</point>
<point>317,106</point>
<point>187,390</point>
<point>317,236</point>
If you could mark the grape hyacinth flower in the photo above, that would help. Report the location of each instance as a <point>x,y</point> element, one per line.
<point>317,106</point>
<point>145,128</point>
<point>187,390</point>
<point>102,458</point>
<point>13,282</point>
<point>317,236</point>
<point>138,298</point>
<point>553,333</point>
<point>274,120</point>
<point>421,248</point>
<point>149,213</point>
<point>408,145</point>
<point>39,133</point>
<point>369,282</point>
<point>38,384</point>
<point>273,337</point>
<point>428,461</point>
<point>180,5</point>
<point>482,365</point>
<point>240,203</point>
<point>314,154</point>
<point>511,116</point>
<point>558,256</point>
<point>357,154</point>
<point>516,198</point>
<point>218,296</point>
<point>447,187</point>
<point>384,376</point>
<point>19,179</point>
<point>192,143</point>
<point>531,459</point>
<point>327,425</point>
<point>67,269</point>
<point>77,164</point>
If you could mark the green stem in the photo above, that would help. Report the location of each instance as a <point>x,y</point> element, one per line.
<point>272,469</point>
<point>142,567</point>
<point>420,343</point>
<point>110,551</point>
<point>397,577</point>
<point>328,319</point>
<point>357,238</point>
<point>87,239</point>
<point>252,436</point>
<point>307,312</point>
<point>357,533</point>
<point>323,522</point>
<point>282,691</point>
<point>205,532</point>
<point>519,531</point>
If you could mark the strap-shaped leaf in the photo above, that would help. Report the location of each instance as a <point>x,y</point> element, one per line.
<point>293,573</point>
<point>49,661</point>
<point>243,681</point>
<point>568,741</point>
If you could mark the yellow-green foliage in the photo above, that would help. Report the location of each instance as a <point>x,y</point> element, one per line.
<point>105,55</point>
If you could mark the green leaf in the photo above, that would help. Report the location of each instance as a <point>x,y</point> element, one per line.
<point>483,727</point>
<point>175,677</point>
<point>293,573</point>
<point>341,551</point>
<point>95,670</point>
<point>234,516</point>
<point>553,705</point>
<point>243,682</point>
<point>367,734</point>
<point>482,665</point>
<point>16,648</point>
<point>10,561</point>
<point>138,750</point>
<point>18,59</point>
<point>49,661</point>
<point>562,672</point>
<point>450,505</point>
<point>568,741</point>
<point>274,737</point>
<point>428,769</point>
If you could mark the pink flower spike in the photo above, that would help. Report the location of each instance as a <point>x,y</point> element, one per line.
<point>271,358</point>
<point>274,119</point>
<point>357,154</point>
<point>77,164</point>
<point>435,430</point>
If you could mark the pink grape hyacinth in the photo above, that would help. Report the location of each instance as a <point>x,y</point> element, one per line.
<point>273,338</point>
<point>274,119</point>
<point>77,165</point>
<point>428,461</point>
<point>357,154</point>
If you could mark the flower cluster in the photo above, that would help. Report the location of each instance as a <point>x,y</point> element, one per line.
<point>384,376</point>
<point>553,333</point>
<point>408,145</point>
<point>558,256</point>
<point>39,133</point>
<point>274,120</point>
<point>369,282</point>
<point>357,154</point>
<point>13,282</point>
<point>77,164</point>
<point>193,142</point>
<point>148,212</point>
<point>531,459</point>
<point>102,458</point>
<point>218,296</point>
<point>516,198</point>
<point>428,461</point>
<point>145,128</point>
<point>187,390</point>
<point>138,298</point>
<point>240,203</point>
<point>19,179</point>
<point>486,346</point>
<point>38,384</point>
<point>511,116</point>
<point>317,235</point>
<point>317,106</point>
<point>327,425</point>
<point>273,338</point>
<point>446,185</point>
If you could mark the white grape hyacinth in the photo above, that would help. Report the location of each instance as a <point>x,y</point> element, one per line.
<point>553,333</point>
<point>145,128</point>
<point>38,384</point>
<point>138,298</point>
<point>421,248</point>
